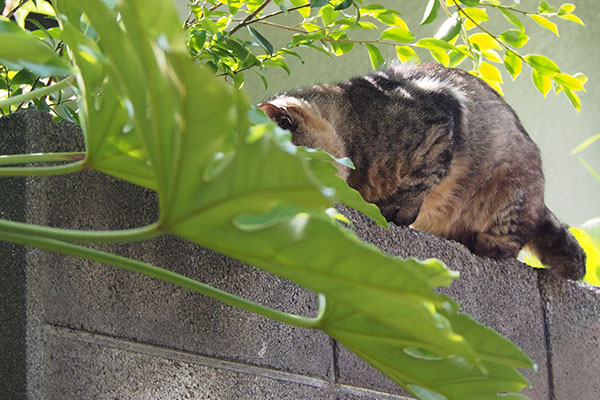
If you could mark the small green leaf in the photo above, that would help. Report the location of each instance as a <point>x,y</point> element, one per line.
<point>572,18</point>
<point>513,64</point>
<point>514,37</point>
<point>449,29</point>
<point>545,23</point>
<point>344,4</point>
<point>407,54</point>
<point>471,3</point>
<point>490,72</point>
<point>569,81</point>
<point>512,18</point>
<point>545,7</point>
<point>328,15</point>
<point>542,64</point>
<point>377,59</point>
<point>574,99</point>
<point>397,35</point>
<point>435,44</point>
<point>261,40</point>
<point>318,3</point>
<point>541,82</point>
<point>566,8</point>
<point>431,12</point>
<point>484,41</point>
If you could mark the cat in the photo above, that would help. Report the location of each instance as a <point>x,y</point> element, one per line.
<point>437,149</point>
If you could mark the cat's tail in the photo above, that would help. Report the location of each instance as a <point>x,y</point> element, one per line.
<point>557,248</point>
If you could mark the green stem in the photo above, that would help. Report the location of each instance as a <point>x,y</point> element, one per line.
<point>43,171</point>
<point>40,157</point>
<point>34,94</point>
<point>162,274</point>
<point>76,235</point>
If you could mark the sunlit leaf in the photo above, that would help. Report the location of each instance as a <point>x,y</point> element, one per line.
<point>513,64</point>
<point>545,23</point>
<point>398,35</point>
<point>542,64</point>
<point>407,54</point>
<point>375,56</point>
<point>431,12</point>
<point>542,82</point>
<point>512,18</point>
<point>449,29</point>
<point>514,37</point>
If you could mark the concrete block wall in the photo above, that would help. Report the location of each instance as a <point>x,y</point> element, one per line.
<point>75,329</point>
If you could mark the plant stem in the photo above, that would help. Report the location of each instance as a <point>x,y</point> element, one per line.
<point>34,94</point>
<point>248,19</point>
<point>76,235</point>
<point>43,171</point>
<point>164,275</point>
<point>40,157</point>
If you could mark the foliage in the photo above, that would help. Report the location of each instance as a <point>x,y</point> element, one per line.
<point>229,179</point>
<point>337,27</point>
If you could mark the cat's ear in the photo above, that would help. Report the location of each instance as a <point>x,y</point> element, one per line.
<point>279,115</point>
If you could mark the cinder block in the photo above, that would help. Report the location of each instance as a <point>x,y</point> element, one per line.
<point>503,295</point>
<point>89,366</point>
<point>573,318</point>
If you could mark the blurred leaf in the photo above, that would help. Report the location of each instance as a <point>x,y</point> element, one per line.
<point>20,50</point>
<point>542,64</point>
<point>569,81</point>
<point>471,3</point>
<point>545,23</point>
<point>586,143</point>
<point>449,29</point>
<point>431,12</point>
<point>344,4</point>
<point>566,8</point>
<point>588,236</point>
<point>261,40</point>
<point>572,18</point>
<point>407,54</point>
<point>545,7</point>
<point>375,56</point>
<point>513,64</point>
<point>397,35</point>
<point>510,17</point>
<point>541,82</point>
<point>484,41</point>
<point>514,37</point>
<point>574,99</point>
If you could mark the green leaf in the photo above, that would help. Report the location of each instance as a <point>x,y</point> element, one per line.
<point>22,50</point>
<point>449,29</point>
<point>542,82</point>
<point>431,12</point>
<point>566,8</point>
<point>490,72</point>
<point>474,16</point>
<point>569,81</point>
<point>514,37</point>
<point>588,236</point>
<point>574,99</point>
<point>545,7</point>
<point>344,4</point>
<point>435,44</point>
<point>340,48</point>
<point>397,35</point>
<point>407,54</point>
<point>545,23</point>
<point>572,18</point>
<point>513,64</point>
<point>471,3</point>
<point>510,17</point>
<point>318,3</point>
<point>375,56</point>
<point>542,64</point>
<point>261,40</point>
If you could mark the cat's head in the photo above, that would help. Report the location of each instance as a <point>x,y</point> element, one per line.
<point>306,123</point>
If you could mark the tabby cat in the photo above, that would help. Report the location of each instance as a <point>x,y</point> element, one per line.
<point>437,149</point>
